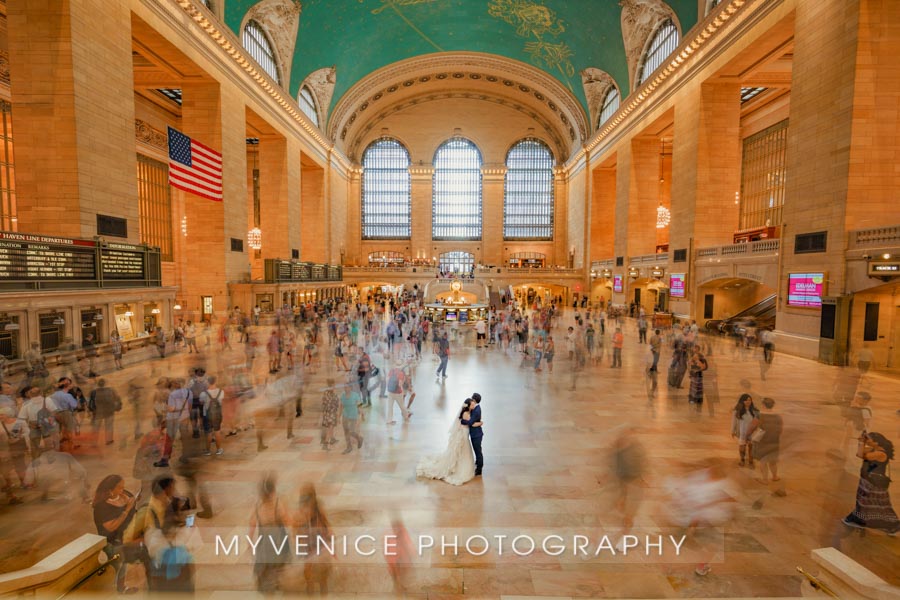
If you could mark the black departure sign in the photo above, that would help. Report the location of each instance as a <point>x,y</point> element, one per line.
<point>29,261</point>
<point>286,271</point>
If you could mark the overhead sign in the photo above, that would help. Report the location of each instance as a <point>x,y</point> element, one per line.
<point>45,262</point>
<point>286,271</point>
<point>884,269</point>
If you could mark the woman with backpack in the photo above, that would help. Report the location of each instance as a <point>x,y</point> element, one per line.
<point>211,399</point>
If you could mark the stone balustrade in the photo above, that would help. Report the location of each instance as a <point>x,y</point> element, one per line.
<point>757,248</point>
<point>875,237</point>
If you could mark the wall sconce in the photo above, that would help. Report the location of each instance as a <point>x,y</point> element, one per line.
<point>177,306</point>
<point>184,225</point>
<point>155,311</point>
<point>59,320</point>
<point>254,239</point>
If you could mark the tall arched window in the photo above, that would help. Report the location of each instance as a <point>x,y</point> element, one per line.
<point>308,105</point>
<point>260,48</point>
<point>662,44</point>
<point>456,203</point>
<point>610,105</point>
<point>386,199</point>
<point>528,193</point>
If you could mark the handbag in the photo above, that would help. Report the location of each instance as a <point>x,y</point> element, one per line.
<point>758,434</point>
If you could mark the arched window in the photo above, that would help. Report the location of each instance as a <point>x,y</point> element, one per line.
<point>386,199</point>
<point>662,44</point>
<point>528,193</point>
<point>610,105</point>
<point>308,105</point>
<point>456,262</point>
<point>456,203</point>
<point>260,48</point>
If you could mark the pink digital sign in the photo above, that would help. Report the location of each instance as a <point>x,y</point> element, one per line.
<point>617,283</point>
<point>676,285</point>
<point>806,289</point>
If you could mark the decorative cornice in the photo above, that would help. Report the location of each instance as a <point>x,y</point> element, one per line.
<point>229,43</point>
<point>460,66</point>
<point>353,151</point>
<point>149,135</point>
<point>682,56</point>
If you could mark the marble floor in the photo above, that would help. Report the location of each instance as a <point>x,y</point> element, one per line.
<point>548,471</point>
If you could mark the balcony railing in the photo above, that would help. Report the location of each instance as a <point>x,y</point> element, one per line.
<point>879,237</point>
<point>758,248</point>
<point>649,259</point>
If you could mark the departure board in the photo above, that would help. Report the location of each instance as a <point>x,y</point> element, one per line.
<point>277,270</point>
<point>29,261</point>
<point>37,258</point>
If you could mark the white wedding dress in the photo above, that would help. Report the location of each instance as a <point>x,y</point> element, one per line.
<point>457,464</point>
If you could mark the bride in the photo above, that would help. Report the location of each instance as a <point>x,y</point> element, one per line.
<point>457,464</point>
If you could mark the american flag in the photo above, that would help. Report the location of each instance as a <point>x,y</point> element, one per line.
<point>193,167</point>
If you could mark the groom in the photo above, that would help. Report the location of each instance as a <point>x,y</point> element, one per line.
<point>475,432</point>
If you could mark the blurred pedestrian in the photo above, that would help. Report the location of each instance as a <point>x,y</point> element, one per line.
<point>742,423</point>
<point>268,523</point>
<point>873,501</point>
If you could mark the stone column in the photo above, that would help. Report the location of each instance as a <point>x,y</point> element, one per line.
<point>279,188</point>
<point>218,120</point>
<point>492,188</point>
<point>707,165</point>
<point>643,197</point>
<point>818,155</point>
<point>89,118</point>
<point>422,183</point>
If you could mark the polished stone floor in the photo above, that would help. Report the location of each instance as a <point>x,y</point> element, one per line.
<point>547,471</point>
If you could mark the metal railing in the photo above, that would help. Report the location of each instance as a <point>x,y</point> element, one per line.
<point>758,248</point>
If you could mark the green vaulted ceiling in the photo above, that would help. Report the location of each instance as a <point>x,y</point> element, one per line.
<point>562,37</point>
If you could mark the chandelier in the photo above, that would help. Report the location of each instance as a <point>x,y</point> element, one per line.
<point>663,216</point>
<point>254,238</point>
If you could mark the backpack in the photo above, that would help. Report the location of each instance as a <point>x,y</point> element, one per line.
<point>393,384</point>
<point>198,387</point>
<point>45,421</point>
<point>214,411</point>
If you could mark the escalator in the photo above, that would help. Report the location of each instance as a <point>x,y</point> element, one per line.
<point>760,315</point>
<point>494,299</point>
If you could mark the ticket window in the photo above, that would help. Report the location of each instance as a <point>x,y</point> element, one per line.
<point>151,318</point>
<point>52,331</point>
<point>265,302</point>
<point>9,337</point>
<point>90,324</point>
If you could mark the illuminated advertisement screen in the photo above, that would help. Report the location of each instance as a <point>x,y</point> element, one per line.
<point>617,283</point>
<point>806,289</point>
<point>676,285</point>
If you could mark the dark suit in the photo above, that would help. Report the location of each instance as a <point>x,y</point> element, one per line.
<point>476,434</point>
